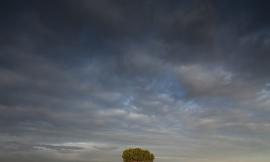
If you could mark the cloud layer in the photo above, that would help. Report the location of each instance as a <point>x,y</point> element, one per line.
<point>82,80</point>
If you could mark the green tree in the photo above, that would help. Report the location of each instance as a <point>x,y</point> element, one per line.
<point>137,155</point>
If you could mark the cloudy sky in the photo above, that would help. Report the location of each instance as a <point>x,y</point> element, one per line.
<point>82,80</point>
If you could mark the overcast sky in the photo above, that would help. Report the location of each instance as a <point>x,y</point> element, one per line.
<point>81,80</point>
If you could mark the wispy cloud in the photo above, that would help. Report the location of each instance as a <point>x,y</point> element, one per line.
<point>188,80</point>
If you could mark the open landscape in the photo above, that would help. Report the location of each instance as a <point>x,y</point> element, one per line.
<point>134,81</point>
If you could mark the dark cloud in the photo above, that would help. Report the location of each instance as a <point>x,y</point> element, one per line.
<point>82,80</point>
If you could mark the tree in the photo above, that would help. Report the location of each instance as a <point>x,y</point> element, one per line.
<point>137,155</point>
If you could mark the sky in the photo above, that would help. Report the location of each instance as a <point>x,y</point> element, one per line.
<point>82,80</point>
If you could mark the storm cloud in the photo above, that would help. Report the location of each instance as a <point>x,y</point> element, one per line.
<point>82,80</point>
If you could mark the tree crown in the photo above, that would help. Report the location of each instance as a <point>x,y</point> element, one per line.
<point>137,154</point>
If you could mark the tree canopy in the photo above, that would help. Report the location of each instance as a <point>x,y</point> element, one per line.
<point>137,154</point>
